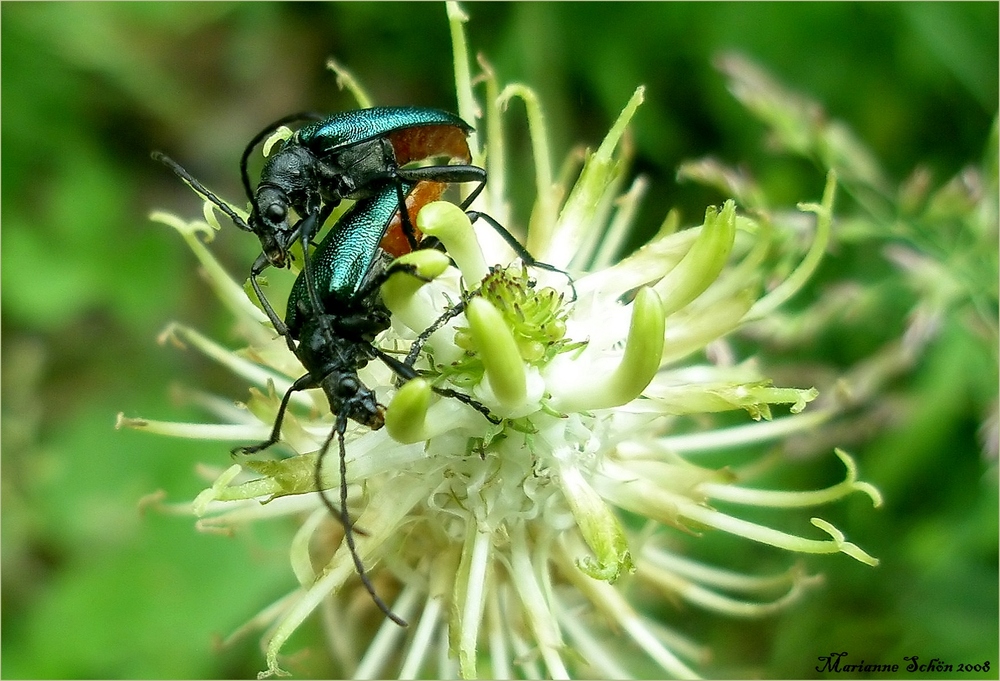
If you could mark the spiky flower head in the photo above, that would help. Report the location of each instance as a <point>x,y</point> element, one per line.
<point>513,548</point>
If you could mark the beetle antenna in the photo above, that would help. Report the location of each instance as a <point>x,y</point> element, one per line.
<point>180,172</point>
<point>343,515</point>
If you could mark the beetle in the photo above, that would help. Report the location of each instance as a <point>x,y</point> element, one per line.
<point>336,339</point>
<point>349,155</point>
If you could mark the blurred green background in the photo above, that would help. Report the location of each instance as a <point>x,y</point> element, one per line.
<point>93,589</point>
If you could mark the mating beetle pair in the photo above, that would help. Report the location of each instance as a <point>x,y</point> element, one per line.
<point>335,311</point>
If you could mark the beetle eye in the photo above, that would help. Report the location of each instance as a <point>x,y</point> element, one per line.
<point>275,212</point>
<point>348,386</point>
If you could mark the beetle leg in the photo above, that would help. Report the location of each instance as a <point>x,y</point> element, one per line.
<point>418,344</point>
<point>409,231</point>
<point>521,252</point>
<point>408,373</point>
<point>454,174</point>
<point>376,281</point>
<point>307,228</point>
<point>303,383</point>
<point>279,326</point>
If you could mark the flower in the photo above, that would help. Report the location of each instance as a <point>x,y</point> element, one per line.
<point>512,547</point>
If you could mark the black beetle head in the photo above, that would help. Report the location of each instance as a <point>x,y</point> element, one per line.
<point>348,395</point>
<point>287,181</point>
<point>269,221</point>
<point>296,172</point>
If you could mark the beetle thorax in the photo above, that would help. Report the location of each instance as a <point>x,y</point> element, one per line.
<point>296,173</point>
<point>349,396</point>
<point>362,169</point>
